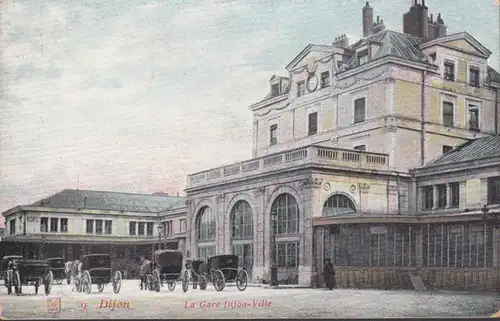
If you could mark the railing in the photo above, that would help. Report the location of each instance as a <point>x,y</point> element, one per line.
<point>308,155</point>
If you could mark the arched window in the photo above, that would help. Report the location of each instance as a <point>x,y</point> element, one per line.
<point>338,204</point>
<point>205,225</point>
<point>287,214</point>
<point>242,220</point>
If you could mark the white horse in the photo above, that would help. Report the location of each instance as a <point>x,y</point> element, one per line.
<point>73,270</point>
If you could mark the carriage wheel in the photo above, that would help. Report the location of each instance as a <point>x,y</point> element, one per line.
<point>117,282</point>
<point>242,280</point>
<point>203,282</point>
<point>171,284</point>
<point>48,282</point>
<point>219,280</point>
<point>87,282</point>
<point>100,287</point>
<point>185,281</point>
<point>156,281</point>
<point>17,283</point>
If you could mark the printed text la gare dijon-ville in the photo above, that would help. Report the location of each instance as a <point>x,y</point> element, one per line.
<point>227,304</point>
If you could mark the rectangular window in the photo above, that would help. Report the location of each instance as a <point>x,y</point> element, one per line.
<point>301,88</point>
<point>448,114</point>
<point>53,224</point>
<point>325,79</point>
<point>449,70</point>
<point>149,229</point>
<point>98,226</point>
<point>474,76</point>
<point>447,149</point>
<point>275,90</point>
<point>168,228</point>
<point>12,227</point>
<point>494,190</point>
<point>108,227</point>
<point>427,197</point>
<point>64,225</point>
<point>141,226</point>
<point>359,110</point>
<point>360,148</point>
<point>132,228</point>
<point>90,227</point>
<point>312,124</point>
<point>44,224</point>
<point>362,57</point>
<point>183,225</point>
<point>473,117</point>
<point>454,194</point>
<point>442,197</point>
<point>273,134</point>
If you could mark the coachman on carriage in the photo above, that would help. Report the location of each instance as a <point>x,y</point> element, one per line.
<point>218,269</point>
<point>96,269</point>
<point>167,266</point>
<point>20,272</point>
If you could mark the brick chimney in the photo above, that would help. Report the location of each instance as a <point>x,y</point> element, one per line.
<point>367,20</point>
<point>378,25</point>
<point>416,20</point>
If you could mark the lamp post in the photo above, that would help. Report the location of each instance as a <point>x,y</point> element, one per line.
<point>160,231</point>
<point>274,267</point>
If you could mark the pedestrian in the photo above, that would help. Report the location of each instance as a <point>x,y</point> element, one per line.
<point>144,270</point>
<point>328,274</point>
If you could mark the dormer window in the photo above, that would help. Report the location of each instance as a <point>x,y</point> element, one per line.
<point>301,88</point>
<point>362,57</point>
<point>449,70</point>
<point>325,79</point>
<point>275,90</point>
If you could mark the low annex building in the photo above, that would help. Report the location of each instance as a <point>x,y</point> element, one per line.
<point>76,222</point>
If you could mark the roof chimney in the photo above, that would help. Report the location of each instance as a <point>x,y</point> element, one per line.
<point>367,20</point>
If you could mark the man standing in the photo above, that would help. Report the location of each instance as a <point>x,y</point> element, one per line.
<point>145,270</point>
<point>329,274</point>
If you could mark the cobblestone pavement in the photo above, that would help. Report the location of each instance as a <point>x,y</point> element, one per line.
<point>254,302</point>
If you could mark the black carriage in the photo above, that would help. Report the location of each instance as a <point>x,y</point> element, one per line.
<point>96,269</point>
<point>21,272</point>
<point>224,268</point>
<point>58,268</point>
<point>4,270</point>
<point>196,272</point>
<point>167,266</point>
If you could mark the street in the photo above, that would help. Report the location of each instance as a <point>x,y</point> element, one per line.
<point>254,302</point>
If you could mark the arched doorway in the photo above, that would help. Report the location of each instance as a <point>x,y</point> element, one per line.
<point>286,210</point>
<point>205,233</point>
<point>242,234</point>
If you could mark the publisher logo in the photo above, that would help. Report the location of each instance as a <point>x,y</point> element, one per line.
<point>54,305</point>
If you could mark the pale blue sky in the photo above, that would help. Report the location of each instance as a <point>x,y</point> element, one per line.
<point>134,95</point>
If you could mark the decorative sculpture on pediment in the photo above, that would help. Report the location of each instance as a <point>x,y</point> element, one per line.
<point>390,128</point>
<point>364,187</point>
<point>389,80</point>
<point>259,191</point>
<point>392,189</point>
<point>219,198</point>
<point>311,183</point>
<point>354,80</point>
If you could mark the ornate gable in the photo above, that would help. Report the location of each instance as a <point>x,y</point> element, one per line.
<point>310,54</point>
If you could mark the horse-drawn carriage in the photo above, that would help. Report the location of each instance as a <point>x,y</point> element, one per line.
<point>96,269</point>
<point>19,272</point>
<point>218,269</point>
<point>58,268</point>
<point>167,266</point>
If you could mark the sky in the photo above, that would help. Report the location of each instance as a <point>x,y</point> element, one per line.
<point>134,95</point>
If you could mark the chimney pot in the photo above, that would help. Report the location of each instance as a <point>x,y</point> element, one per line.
<point>378,19</point>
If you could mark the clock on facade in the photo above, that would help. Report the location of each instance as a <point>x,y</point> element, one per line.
<point>312,83</point>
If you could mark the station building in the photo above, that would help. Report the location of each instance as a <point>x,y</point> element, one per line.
<point>72,223</point>
<point>372,154</point>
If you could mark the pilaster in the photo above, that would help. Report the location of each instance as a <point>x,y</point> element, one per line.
<point>219,212</point>
<point>259,238</point>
